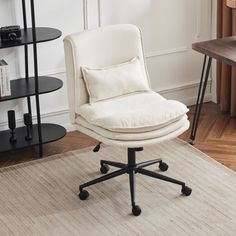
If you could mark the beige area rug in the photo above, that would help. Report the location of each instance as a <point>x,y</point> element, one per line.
<point>40,197</point>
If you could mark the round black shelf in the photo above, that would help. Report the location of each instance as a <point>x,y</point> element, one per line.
<point>21,88</point>
<point>43,34</point>
<point>50,133</point>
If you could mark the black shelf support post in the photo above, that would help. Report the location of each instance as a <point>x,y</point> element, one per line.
<point>31,86</point>
<point>26,54</point>
<point>36,79</point>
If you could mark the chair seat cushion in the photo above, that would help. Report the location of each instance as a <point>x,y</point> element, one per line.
<point>118,136</point>
<point>139,112</point>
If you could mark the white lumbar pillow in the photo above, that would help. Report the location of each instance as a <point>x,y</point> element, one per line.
<point>115,81</point>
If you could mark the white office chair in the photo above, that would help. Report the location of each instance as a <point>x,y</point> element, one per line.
<point>111,101</point>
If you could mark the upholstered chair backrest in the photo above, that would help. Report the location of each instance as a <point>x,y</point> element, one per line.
<point>98,48</point>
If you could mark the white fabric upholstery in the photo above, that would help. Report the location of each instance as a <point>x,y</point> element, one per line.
<point>102,47</point>
<point>114,81</point>
<point>157,133</point>
<point>145,111</point>
<point>134,120</point>
<point>133,143</point>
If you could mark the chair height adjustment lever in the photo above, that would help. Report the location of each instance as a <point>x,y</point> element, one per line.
<point>97,148</point>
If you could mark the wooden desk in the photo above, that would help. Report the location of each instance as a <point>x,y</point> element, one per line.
<point>221,49</point>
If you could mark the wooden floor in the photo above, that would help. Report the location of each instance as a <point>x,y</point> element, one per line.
<point>216,137</point>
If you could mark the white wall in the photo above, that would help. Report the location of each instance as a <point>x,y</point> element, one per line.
<point>169,28</point>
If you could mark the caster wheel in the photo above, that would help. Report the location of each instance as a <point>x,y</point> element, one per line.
<point>186,190</point>
<point>136,210</point>
<point>104,169</point>
<point>83,195</point>
<point>163,166</point>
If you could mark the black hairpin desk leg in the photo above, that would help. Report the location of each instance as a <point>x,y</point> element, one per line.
<point>200,98</point>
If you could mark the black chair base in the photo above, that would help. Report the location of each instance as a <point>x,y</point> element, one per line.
<point>131,169</point>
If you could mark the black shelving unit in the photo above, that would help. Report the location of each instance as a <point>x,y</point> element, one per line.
<point>32,86</point>
<point>43,34</point>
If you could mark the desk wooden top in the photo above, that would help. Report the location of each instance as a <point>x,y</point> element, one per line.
<point>223,49</point>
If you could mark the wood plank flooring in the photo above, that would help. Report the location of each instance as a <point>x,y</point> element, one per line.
<point>216,137</point>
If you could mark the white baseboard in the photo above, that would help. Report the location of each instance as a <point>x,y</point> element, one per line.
<point>186,93</point>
